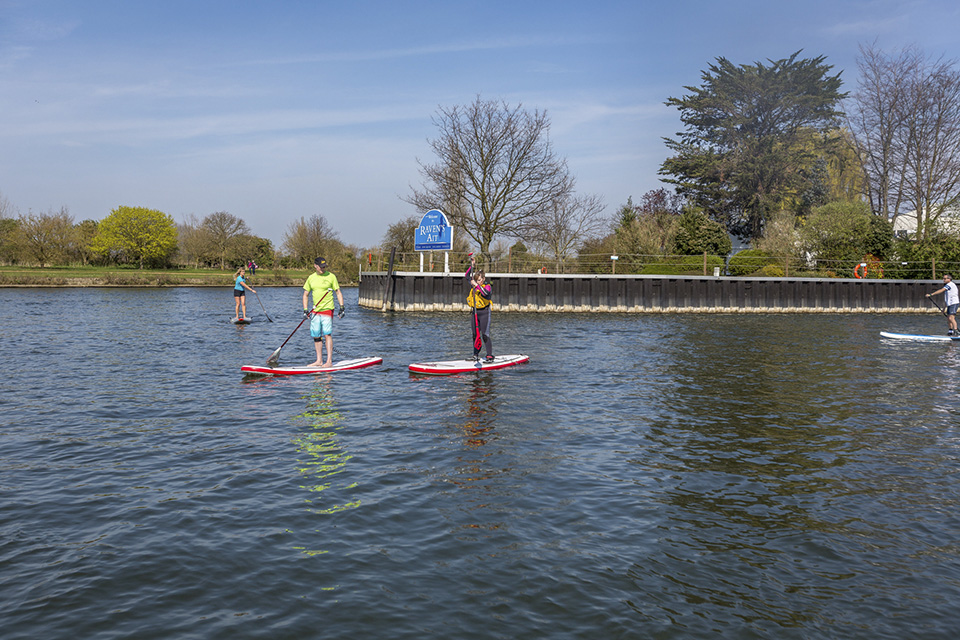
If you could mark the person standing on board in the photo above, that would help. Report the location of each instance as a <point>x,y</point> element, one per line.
<point>951,299</point>
<point>239,295</point>
<point>320,284</point>
<point>479,300</point>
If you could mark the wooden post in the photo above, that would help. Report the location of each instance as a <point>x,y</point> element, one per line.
<point>387,285</point>
<point>704,263</point>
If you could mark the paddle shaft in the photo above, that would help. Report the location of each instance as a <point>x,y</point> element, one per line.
<point>942,310</point>
<point>262,307</point>
<point>478,339</point>
<point>274,356</point>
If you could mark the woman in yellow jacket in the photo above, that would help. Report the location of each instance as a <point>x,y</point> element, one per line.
<point>479,300</point>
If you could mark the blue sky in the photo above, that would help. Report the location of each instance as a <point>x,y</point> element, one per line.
<point>276,110</point>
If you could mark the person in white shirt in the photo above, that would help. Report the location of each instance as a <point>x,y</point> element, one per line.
<point>951,298</point>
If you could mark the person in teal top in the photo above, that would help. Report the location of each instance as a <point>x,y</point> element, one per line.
<point>239,293</point>
<point>320,284</point>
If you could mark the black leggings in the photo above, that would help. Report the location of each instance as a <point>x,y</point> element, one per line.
<point>483,320</point>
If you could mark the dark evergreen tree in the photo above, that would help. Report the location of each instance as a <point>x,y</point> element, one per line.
<point>750,133</point>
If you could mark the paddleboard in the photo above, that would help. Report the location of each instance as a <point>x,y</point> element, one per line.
<point>343,365</point>
<point>448,367</point>
<point>240,321</point>
<point>922,338</point>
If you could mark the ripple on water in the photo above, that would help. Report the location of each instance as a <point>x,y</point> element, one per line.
<point>643,476</point>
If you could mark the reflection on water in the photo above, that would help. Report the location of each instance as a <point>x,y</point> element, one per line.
<point>480,410</point>
<point>322,455</point>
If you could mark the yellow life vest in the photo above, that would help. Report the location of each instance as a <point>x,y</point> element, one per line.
<point>476,301</point>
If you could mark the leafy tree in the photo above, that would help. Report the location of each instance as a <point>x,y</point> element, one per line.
<point>246,247</point>
<point>920,256</point>
<point>652,226</point>
<point>136,234</point>
<point>780,236</point>
<point>817,192</point>
<point>520,258</point>
<point>646,230</point>
<point>845,231</point>
<point>222,230</point>
<point>696,234</point>
<point>750,131</point>
<point>749,261</point>
<point>495,170</point>
<point>46,237</point>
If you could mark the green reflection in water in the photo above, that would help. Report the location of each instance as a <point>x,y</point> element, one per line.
<point>322,456</point>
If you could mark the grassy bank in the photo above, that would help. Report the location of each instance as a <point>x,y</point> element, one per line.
<point>128,277</point>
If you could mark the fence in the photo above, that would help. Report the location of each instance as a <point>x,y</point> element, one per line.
<point>648,264</point>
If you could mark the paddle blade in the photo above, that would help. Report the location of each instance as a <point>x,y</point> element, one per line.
<point>274,358</point>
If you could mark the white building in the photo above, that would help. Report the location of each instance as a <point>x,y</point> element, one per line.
<point>905,224</point>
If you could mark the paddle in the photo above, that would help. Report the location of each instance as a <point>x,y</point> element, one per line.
<point>261,306</point>
<point>942,310</point>
<point>478,339</point>
<point>274,358</point>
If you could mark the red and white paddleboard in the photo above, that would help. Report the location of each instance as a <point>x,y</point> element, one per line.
<point>448,367</point>
<point>343,365</point>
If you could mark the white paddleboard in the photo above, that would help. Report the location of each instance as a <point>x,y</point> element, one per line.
<point>447,367</point>
<point>343,365</point>
<point>240,321</point>
<point>920,337</point>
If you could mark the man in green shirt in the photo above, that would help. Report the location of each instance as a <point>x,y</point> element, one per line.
<point>320,284</point>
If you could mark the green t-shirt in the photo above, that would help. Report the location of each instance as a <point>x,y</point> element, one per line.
<point>318,284</point>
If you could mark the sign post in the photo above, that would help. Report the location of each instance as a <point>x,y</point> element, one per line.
<point>434,233</point>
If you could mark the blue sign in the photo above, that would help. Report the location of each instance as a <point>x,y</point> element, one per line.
<point>434,232</point>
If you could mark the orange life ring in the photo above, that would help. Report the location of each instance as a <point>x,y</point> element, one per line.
<point>868,262</point>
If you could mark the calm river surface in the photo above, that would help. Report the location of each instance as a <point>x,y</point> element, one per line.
<point>644,476</point>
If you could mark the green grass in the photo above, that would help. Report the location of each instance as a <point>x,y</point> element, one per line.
<point>90,276</point>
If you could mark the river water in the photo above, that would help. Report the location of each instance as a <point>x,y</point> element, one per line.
<point>643,476</point>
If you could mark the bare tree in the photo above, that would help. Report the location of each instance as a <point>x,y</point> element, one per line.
<point>566,224</point>
<point>7,210</point>
<point>194,242</point>
<point>46,237</point>
<point>84,233</point>
<point>932,144</point>
<point>495,170</point>
<point>905,121</point>
<point>223,228</point>
<point>401,235</point>
<point>309,238</point>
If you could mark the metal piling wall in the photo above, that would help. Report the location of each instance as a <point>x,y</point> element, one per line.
<point>544,293</point>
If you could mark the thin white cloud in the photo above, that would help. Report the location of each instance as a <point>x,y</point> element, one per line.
<point>142,129</point>
<point>424,50</point>
<point>866,27</point>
